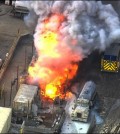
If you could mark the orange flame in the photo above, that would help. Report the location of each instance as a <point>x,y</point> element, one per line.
<point>51,77</point>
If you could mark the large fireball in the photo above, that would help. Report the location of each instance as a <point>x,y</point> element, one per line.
<point>53,66</point>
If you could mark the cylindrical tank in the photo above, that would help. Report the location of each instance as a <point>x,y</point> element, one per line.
<point>88,90</point>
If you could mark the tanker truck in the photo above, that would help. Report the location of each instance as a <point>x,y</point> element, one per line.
<point>84,103</point>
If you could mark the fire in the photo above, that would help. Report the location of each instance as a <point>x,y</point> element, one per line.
<point>50,91</point>
<point>49,40</point>
<point>48,69</point>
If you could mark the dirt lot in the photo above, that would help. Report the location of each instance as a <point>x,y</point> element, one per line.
<point>108,84</point>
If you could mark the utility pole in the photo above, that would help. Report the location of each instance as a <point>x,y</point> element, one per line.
<point>17,78</point>
<point>28,109</point>
<point>18,31</point>
<point>4,97</point>
<point>11,93</point>
<point>2,90</point>
<point>52,113</point>
<point>25,59</point>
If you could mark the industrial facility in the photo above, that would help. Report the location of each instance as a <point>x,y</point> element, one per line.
<point>59,66</point>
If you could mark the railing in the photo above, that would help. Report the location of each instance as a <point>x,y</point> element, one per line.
<point>9,56</point>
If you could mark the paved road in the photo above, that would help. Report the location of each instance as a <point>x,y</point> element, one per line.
<point>9,26</point>
<point>25,44</point>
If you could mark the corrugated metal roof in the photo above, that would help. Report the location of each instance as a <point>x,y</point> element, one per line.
<point>113,50</point>
<point>4,116</point>
<point>25,93</point>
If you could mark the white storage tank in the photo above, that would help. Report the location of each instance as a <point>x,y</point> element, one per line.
<point>5,119</point>
<point>24,97</point>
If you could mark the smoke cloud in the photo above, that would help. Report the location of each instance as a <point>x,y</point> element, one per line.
<point>93,26</point>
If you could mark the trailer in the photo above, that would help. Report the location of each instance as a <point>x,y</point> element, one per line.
<point>21,11</point>
<point>24,98</point>
<point>83,104</point>
<point>80,118</point>
<point>19,8</point>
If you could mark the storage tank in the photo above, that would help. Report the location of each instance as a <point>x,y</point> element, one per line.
<point>5,119</point>
<point>24,97</point>
<point>88,91</point>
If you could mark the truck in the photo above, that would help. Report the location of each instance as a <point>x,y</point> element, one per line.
<point>84,103</point>
<point>19,8</point>
<point>110,59</point>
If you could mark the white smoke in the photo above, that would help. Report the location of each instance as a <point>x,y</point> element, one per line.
<point>93,24</point>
